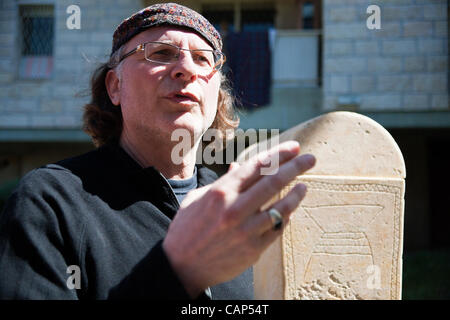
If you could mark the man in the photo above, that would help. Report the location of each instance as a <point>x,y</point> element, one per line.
<point>109,224</point>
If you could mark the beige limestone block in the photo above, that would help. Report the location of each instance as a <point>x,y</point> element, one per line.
<point>345,239</point>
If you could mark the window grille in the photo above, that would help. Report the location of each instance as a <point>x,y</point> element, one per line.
<point>37,29</point>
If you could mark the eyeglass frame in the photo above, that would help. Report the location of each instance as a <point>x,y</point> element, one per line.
<point>141,46</point>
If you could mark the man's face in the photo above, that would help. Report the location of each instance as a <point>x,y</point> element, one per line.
<point>156,98</point>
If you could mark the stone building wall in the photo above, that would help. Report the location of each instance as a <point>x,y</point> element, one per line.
<point>401,67</point>
<point>52,103</point>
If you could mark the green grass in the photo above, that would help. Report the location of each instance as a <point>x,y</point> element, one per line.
<point>426,275</point>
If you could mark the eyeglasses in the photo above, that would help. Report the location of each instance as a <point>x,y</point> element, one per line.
<point>165,53</point>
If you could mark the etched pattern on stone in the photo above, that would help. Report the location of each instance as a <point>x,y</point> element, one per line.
<point>333,289</point>
<point>345,239</point>
<point>345,225</point>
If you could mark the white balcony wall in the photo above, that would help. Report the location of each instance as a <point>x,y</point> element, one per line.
<point>295,58</point>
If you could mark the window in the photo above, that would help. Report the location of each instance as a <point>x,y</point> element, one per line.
<point>37,25</point>
<point>237,17</point>
<point>245,31</point>
<point>268,44</point>
<point>222,18</point>
<point>309,14</point>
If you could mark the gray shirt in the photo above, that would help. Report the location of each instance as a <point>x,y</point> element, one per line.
<point>182,187</point>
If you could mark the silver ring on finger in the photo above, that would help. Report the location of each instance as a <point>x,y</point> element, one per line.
<point>276,218</point>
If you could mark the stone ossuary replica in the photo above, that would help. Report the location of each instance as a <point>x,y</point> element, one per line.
<point>344,241</point>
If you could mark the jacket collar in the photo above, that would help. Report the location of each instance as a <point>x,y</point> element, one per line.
<point>205,176</point>
<point>160,192</point>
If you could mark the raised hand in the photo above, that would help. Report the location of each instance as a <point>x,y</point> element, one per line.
<point>220,230</point>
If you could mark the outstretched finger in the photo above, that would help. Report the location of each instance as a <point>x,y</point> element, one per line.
<point>261,222</point>
<point>249,172</point>
<point>263,190</point>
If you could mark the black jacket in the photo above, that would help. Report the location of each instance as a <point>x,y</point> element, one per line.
<point>106,215</point>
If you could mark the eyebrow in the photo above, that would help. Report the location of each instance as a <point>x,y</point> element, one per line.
<point>175,44</point>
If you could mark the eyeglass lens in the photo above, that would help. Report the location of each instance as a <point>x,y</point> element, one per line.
<point>206,60</point>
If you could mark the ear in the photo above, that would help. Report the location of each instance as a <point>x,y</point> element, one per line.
<point>112,84</point>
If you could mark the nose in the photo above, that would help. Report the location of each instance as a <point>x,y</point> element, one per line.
<point>185,68</point>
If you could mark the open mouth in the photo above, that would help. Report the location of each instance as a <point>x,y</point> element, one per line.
<point>184,98</point>
<point>181,96</point>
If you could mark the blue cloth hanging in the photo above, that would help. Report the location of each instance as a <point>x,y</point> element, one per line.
<point>249,62</point>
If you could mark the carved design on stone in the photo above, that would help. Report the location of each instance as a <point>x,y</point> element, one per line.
<point>333,289</point>
<point>341,244</point>
<point>345,239</point>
